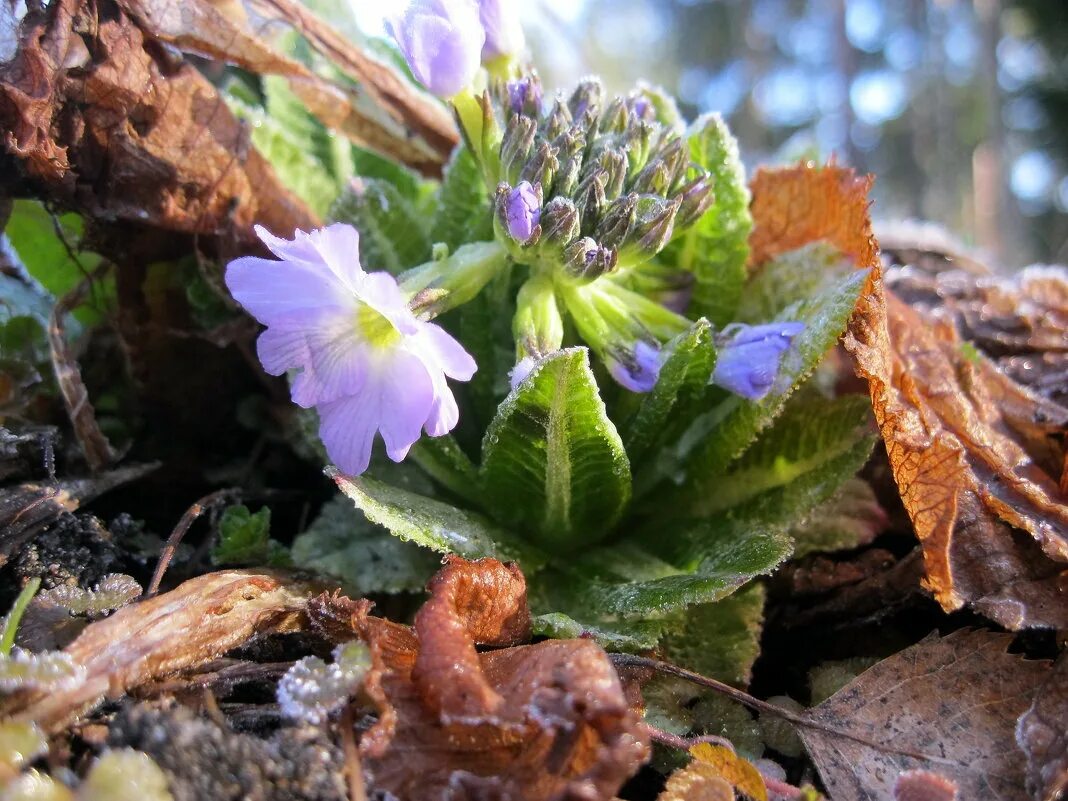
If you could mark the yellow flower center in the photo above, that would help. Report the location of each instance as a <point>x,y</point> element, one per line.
<point>375,328</point>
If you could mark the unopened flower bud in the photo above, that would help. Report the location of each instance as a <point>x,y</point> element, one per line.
<point>697,197</point>
<point>618,220</point>
<point>615,117</point>
<point>541,167</point>
<point>517,145</point>
<point>584,258</point>
<point>519,211</point>
<point>638,140</point>
<point>653,229</point>
<point>525,96</point>
<point>568,178</point>
<point>590,199</point>
<point>586,99</point>
<point>614,163</point>
<point>559,223</point>
<point>638,367</point>
<point>558,121</point>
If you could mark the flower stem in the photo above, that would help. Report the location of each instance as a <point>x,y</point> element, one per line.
<point>11,621</point>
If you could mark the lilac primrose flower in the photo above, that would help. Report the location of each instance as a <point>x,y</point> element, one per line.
<point>366,363</point>
<point>639,371</point>
<point>504,34</point>
<point>522,211</point>
<point>748,363</point>
<point>442,43</point>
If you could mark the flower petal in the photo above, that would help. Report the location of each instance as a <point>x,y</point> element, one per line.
<point>406,397</point>
<point>380,292</point>
<point>282,349</point>
<point>441,351</point>
<point>337,367</point>
<point>347,429</point>
<point>339,247</point>
<point>287,292</point>
<point>444,414</point>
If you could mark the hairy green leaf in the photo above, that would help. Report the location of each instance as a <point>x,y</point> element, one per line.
<point>624,635</point>
<point>366,558</point>
<point>433,524</point>
<point>811,431</point>
<point>393,236</point>
<point>737,422</point>
<point>715,248</point>
<point>463,210</point>
<point>244,539</point>
<point>721,639</point>
<point>683,379</point>
<point>552,462</point>
<point>443,460</point>
<point>848,519</point>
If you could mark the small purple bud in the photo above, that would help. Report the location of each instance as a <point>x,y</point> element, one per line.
<point>504,34</point>
<point>637,371</point>
<point>522,211</point>
<point>525,96</point>
<point>748,362</point>
<point>442,42</point>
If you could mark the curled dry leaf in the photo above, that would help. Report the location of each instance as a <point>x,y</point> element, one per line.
<point>1042,733</point>
<point>524,722</point>
<point>976,457</point>
<point>698,781</point>
<point>385,113</point>
<point>954,699</point>
<point>1019,321</point>
<point>105,121</point>
<point>194,623</point>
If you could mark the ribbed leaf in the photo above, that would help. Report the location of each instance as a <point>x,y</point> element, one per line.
<point>738,422</point>
<point>812,430</point>
<point>715,249</point>
<point>721,640</point>
<point>433,524</point>
<point>683,379</point>
<point>393,236</point>
<point>552,462</point>
<point>463,210</point>
<point>624,635</point>
<point>443,460</point>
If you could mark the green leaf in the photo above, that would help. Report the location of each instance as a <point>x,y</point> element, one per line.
<point>433,524</point>
<point>443,460</point>
<point>289,154</point>
<point>737,422</point>
<point>716,247</point>
<point>722,639</point>
<point>366,558</point>
<point>463,210</point>
<point>552,462</point>
<point>393,236</point>
<point>651,576</point>
<point>812,431</point>
<point>850,518</point>
<point>244,539</point>
<point>624,635</point>
<point>801,273</point>
<point>332,152</point>
<point>683,379</point>
<point>33,236</point>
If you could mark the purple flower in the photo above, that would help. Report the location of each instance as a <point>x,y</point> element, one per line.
<point>442,43</point>
<point>504,34</point>
<point>522,211</point>
<point>638,370</point>
<point>748,363</point>
<point>366,363</point>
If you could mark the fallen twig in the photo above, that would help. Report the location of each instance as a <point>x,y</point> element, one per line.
<point>190,516</point>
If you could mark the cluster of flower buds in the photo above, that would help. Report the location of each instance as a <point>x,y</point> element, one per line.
<point>606,183</point>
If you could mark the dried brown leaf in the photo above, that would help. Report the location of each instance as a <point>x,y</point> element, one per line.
<point>1042,733</point>
<point>794,206</point>
<point>923,785</point>
<point>1019,321</point>
<point>105,121</point>
<point>698,781</point>
<point>955,429</point>
<point>525,722</point>
<point>954,699</point>
<point>977,458</point>
<point>736,770</point>
<point>147,641</point>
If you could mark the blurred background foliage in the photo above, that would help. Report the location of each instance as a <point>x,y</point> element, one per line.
<point>959,106</point>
